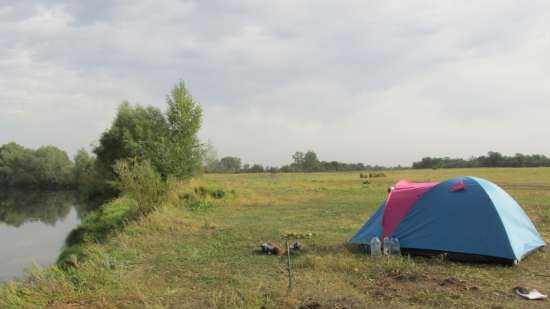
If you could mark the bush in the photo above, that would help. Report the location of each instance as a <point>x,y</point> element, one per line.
<point>140,182</point>
<point>199,197</point>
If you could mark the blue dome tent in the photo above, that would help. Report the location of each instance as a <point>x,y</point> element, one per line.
<point>466,218</point>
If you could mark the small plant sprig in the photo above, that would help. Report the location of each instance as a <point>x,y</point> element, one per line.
<point>296,235</point>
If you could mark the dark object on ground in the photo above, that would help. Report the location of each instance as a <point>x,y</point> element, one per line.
<point>295,247</point>
<point>529,295</point>
<point>271,249</point>
<point>457,256</point>
<point>311,305</point>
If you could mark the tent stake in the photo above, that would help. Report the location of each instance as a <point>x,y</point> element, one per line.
<point>289,267</point>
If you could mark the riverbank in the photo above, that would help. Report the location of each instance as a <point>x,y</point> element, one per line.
<point>198,250</point>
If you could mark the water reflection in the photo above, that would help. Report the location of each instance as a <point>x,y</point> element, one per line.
<point>18,207</point>
<point>34,225</point>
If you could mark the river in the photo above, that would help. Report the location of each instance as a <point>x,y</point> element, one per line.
<point>33,227</point>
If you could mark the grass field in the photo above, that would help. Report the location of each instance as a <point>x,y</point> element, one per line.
<point>205,256</point>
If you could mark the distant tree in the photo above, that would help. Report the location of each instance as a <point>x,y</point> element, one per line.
<point>311,162</point>
<point>492,159</point>
<point>210,158</point>
<point>18,166</point>
<point>256,168</point>
<point>46,167</point>
<point>230,164</point>
<point>86,176</point>
<point>54,166</point>
<point>298,158</point>
<point>287,169</point>
<point>83,163</point>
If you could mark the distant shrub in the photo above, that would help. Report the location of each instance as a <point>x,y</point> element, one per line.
<point>203,192</point>
<point>376,175</point>
<point>201,197</point>
<point>371,175</point>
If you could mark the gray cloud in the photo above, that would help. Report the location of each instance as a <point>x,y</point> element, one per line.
<point>382,82</point>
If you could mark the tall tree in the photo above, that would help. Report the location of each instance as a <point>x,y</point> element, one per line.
<point>184,121</point>
<point>167,140</point>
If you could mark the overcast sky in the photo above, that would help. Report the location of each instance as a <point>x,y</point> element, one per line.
<point>379,82</point>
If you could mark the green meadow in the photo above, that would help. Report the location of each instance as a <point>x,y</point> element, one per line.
<point>199,249</point>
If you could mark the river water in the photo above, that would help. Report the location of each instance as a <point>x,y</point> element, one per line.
<point>33,228</point>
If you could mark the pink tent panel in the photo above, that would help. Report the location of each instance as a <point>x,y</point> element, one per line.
<point>402,198</point>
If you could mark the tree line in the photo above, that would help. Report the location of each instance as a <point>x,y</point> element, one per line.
<point>309,162</point>
<point>301,162</point>
<point>492,159</point>
<point>148,140</point>
<point>165,142</point>
<point>45,167</point>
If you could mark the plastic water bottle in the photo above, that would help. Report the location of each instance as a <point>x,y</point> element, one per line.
<point>395,248</point>
<point>375,249</point>
<point>387,245</point>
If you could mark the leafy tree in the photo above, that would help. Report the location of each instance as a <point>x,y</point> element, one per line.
<point>298,158</point>
<point>184,121</point>
<point>230,164</point>
<point>311,162</point>
<point>45,167</point>
<point>256,168</point>
<point>168,141</point>
<point>86,175</point>
<point>136,132</point>
<point>54,166</point>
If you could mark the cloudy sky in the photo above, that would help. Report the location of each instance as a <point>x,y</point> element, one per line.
<point>380,82</point>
